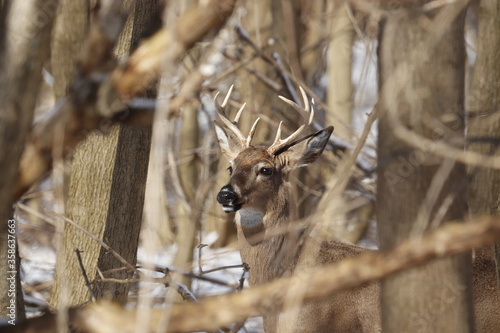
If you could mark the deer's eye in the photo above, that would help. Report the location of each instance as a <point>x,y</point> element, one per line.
<point>230,170</point>
<point>266,171</point>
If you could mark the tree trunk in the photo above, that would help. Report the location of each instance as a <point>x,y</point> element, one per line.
<point>422,83</point>
<point>25,29</point>
<point>483,130</point>
<point>107,196</point>
<point>188,170</point>
<point>68,39</point>
<point>70,30</point>
<point>340,104</point>
<point>339,70</point>
<point>87,205</point>
<point>128,186</point>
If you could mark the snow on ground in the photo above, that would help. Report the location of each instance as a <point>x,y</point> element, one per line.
<point>210,259</point>
<point>39,261</point>
<point>37,264</point>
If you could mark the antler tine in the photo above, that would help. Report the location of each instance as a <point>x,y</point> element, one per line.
<point>311,114</point>
<point>238,114</point>
<point>225,120</point>
<point>307,109</point>
<point>305,99</point>
<point>277,139</point>
<point>252,132</point>
<point>301,110</point>
<point>226,99</point>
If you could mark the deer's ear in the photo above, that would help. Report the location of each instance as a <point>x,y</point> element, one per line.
<point>229,142</point>
<point>306,150</point>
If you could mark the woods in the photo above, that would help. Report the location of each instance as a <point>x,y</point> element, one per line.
<point>111,165</point>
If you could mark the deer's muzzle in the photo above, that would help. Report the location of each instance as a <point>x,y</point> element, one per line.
<point>228,198</point>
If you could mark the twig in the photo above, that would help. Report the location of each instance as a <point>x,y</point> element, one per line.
<point>244,276</point>
<point>202,272</point>
<point>122,281</point>
<point>84,274</point>
<point>94,237</point>
<point>113,270</point>
<point>200,247</point>
<point>167,270</point>
<point>289,85</point>
<point>102,278</point>
<point>186,294</point>
<point>223,267</point>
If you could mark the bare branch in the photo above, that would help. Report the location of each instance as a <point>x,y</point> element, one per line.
<point>185,293</point>
<point>84,273</point>
<point>94,237</point>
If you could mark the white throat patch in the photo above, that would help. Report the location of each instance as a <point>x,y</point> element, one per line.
<point>249,217</point>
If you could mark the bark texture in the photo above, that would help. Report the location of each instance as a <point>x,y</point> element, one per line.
<point>70,31</point>
<point>483,130</point>
<point>116,167</point>
<point>128,184</point>
<point>421,68</point>
<point>87,205</point>
<point>339,70</point>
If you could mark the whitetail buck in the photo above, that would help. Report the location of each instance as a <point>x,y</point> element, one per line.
<point>260,194</point>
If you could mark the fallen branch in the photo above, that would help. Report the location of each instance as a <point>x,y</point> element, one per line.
<point>214,312</point>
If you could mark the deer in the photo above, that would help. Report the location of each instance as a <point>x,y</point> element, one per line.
<point>260,195</point>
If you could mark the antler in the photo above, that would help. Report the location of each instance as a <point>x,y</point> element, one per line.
<point>232,125</point>
<point>307,112</point>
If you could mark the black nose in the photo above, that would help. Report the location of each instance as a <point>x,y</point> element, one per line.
<point>226,195</point>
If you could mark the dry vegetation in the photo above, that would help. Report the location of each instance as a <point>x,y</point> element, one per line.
<point>107,145</point>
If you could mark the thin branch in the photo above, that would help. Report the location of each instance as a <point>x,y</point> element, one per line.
<point>94,237</point>
<point>167,270</point>
<point>84,274</point>
<point>244,276</point>
<point>224,267</point>
<point>185,293</point>
<point>200,248</point>
<point>123,281</point>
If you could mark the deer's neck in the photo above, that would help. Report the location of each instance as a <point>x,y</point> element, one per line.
<point>266,242</point>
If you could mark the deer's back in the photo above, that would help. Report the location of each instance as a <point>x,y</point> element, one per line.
<point>366,303</point>
<point>360,308</point>
<point>485,291</point>
<point>355,310</point>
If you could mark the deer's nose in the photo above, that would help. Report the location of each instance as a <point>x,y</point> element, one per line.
<point>226,195</point>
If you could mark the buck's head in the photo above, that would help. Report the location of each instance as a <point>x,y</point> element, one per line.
<point>259,173</point>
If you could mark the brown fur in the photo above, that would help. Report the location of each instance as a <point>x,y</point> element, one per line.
<point>273,248</point>
<point>276,251</point>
